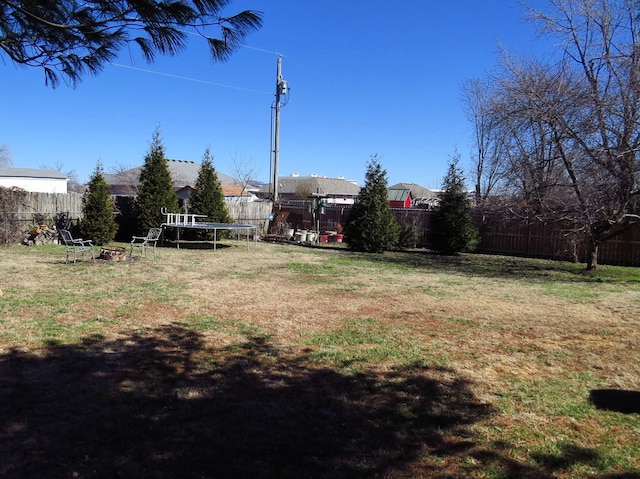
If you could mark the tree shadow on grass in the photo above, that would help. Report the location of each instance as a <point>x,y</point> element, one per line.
<point>195,245</point>
<point>571,454</point>
<point>504,267</point>
<point>166,404</point>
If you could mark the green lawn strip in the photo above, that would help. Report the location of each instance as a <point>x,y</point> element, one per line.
<point>365,342</point>
<point>552,423</point>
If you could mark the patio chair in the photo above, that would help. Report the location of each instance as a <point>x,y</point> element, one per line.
<point>76,245</point>
<point>144,242</point>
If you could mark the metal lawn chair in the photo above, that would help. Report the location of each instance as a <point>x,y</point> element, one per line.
<point>75,246</point>
<point>144,242</point>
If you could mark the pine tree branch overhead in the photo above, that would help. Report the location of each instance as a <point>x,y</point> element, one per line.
<point>69,39</point>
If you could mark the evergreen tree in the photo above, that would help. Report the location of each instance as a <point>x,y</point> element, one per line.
<point>407,235</point>
<point>99,222</point>
<point>156,189</point>
<point>454,230</point>
<point>371,226</point>
<point>208,198</point>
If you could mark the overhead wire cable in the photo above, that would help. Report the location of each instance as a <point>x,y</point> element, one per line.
<point>180,77</point>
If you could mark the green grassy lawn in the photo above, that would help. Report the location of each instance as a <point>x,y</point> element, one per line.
<point>290,362</point>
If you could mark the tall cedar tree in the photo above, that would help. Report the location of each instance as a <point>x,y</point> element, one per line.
<point>208,198</point>
<point>454,230</point>
<point>156,189</point>
<point>371,225</point>
<point>98,206</point>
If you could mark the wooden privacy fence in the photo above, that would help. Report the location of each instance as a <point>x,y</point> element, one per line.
<point>300,216</point>
<point>623,250</point>
<point>21,210</point>
<point>555,242</point>
<point>29,203</point>
<point>512,239</point>
<point>254,213</point>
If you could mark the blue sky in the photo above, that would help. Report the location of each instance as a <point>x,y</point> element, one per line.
<point>365,77</point>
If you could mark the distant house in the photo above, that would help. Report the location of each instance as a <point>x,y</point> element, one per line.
<point>34,180</point>
<point>185,192</point>
<point>337,191</point>
<point>184,175</point>
<point>421,197</point>
<point>399,197</point>
<point>237,194</point>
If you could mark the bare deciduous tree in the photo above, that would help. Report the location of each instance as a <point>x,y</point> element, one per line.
<point>572,126</point>
<point>478,100</point>
<point>73,183</point>
<point>244,172</point>
<point>124,174</point>
<point>5,156</point>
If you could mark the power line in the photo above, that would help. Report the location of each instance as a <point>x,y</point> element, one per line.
<point>262,50</point>
<point>179,77</point>
<point>198,34</point>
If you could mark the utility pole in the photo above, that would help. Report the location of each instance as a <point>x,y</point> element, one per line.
<point>281,90</point>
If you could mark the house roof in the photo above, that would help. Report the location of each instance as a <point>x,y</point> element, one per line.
<point>234,190</point>
<point>183,173</point>
<point>31,173</point>
<point>398,194</point>
<point>417,191</point>
<point>315,185</point>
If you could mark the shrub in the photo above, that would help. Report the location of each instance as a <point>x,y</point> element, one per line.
<point>454,229</point>
<point>371,226</point>
<point>407,235</point>
<point>99,223</point>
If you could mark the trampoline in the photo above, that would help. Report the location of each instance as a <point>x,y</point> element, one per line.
<point>190,221</point>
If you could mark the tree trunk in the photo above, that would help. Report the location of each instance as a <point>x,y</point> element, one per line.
<point>592,255</point>
<point>603,231</point>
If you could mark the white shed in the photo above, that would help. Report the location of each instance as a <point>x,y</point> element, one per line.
<point>34,180</point>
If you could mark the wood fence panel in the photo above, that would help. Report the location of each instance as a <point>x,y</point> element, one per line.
<point>554,242</point>
<point>300,216</point>
<point>253,213</point>
<point>514,238</point>
<point>22,210</point>
<point>335,216</point>
<point>53,203</point>
<point>623,250</point>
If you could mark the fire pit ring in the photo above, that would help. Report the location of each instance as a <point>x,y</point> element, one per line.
<point>113,253</point>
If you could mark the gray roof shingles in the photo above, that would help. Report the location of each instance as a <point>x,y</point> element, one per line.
<point>317,185</point>
<point>183,173</point>
<point>31,173</point>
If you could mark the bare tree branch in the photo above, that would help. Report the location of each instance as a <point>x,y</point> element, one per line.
<point>5,156</point>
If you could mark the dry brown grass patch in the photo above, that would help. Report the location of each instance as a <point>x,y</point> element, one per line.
<point>294,362</point>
